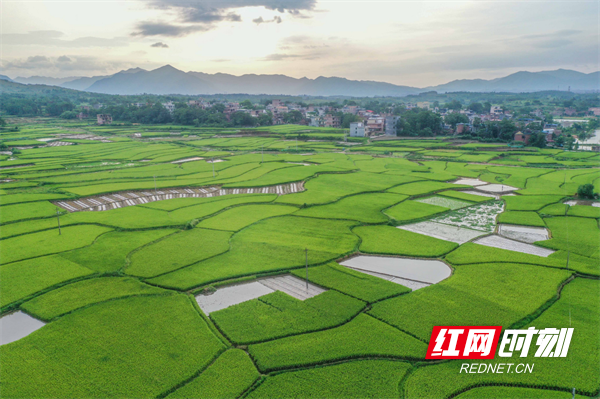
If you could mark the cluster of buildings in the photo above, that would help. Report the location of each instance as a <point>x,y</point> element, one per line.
<point>375,126</point>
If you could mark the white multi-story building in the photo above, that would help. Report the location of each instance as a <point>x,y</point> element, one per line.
<point>169,106</point>
<point>357,129</point>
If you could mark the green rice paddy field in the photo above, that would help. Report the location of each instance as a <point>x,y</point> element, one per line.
<point>116,288</point>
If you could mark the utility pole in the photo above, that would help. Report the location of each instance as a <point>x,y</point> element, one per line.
<point>58,220</point>
<point>306,260</point>
<point>573,393</point>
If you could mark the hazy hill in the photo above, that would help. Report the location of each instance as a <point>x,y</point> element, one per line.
<point>169,80</point>
<point>164,80</point>
<point>524,81</point>
<point>44,80</point>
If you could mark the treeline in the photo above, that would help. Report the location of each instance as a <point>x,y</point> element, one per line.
<point>185,115</point>
<point>419,123</point>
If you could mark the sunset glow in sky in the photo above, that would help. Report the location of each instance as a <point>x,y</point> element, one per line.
<point>415,43</point>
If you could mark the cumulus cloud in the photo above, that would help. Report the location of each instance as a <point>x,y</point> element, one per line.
<point>159,45</point>
<point>166,29</point>
<point>203,15</point>
<point>55,38</point>
<point>211,11</point>
<point>260,20</point>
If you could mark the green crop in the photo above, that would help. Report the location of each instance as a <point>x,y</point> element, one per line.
<point>394,241</point>
<point>524,218</point>
<point>109,252</point>
<point>278,315</point>
<point>31,210</point>
<point>577,308</point>
<point>21,279</point>
<point>351,282</point>
<point>584,211</point>
<point>344,342</point>
<point>412,210</point>
<point>237,218</point>
<point>359,379</point>
<point>424,187</point>
<point>575,234</point>
<point>77,295</point>
<point>227,378</point>
<point>475,295</point>
<point>131,347</point>
<point>48,242</point>
<point>530,202</point>
<point>366,208</point>
<point>269,245</point>
<point>192,246</point>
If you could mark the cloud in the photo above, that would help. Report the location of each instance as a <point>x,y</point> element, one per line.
<point>54,38</point>
<point>46,66</point>
<point>204,15</point>
<point>210,10</point>
<point>159,45</point>
<point>558,33</point>
<point>279,57</point>
<point>260,20</point>
<point>165,29</point>
<point>221,60</point>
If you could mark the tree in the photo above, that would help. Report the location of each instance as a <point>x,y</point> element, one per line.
<point>68,115</point>
<point>347,119</point>
<point>476,107</point>
<point>560,141</point>
<point>537,140</point>
<point>240,118</point>
<point>265,119</point>
<point>453,105</point>
<point>419,122</point>
<point>455,118</point>
<point>57,108</point>
<point>2,122</point>
<point>293,117</point>
<point>586,191</point>
<point>247,104</point>
<point>569,141</point>
<point>582,136</point>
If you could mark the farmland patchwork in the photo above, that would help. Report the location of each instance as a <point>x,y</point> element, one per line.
<point>226,264</point>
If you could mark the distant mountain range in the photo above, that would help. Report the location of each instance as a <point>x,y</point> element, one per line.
<point>169,80</point>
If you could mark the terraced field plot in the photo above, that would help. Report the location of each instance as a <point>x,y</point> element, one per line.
<point>186,285</point>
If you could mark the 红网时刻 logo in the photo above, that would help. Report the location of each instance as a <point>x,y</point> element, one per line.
<point>468,342</point>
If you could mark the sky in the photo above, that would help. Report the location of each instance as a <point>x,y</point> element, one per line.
<point>414,43</point>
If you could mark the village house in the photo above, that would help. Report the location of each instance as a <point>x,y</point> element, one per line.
<point>104,119</point>
<point>391,125</point>
<point>375,124</point>
<point>357,129</point>
<point>522,137</point>
<point>331,120</point>
<point>594,111</point>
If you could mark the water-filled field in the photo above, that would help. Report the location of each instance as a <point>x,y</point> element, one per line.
<point>262,267</point>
